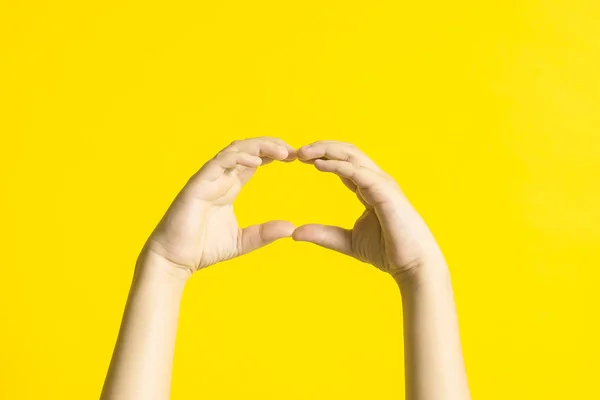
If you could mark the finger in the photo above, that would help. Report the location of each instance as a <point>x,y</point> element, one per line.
<point>256,236</point>
<point>330,237</point>
<point>362,177</point>
<point>228,160</point>
<point>336,151</point>
<point>372,188</point>
<point>232,159</point>
<point>292,153</point>
<point>266,160</point>
<point>262,148</point>
<point>347,182</point>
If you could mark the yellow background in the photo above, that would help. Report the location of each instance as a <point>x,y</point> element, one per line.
<point>488,114</point>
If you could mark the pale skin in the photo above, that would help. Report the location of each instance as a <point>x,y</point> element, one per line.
<point>200,229</point>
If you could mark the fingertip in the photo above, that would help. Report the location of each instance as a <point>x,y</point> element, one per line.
<point>257,160</point>
<point>250,161</point>
<point>305,233</point>
<point>279,229</point>
<point>303,152</point>
<point>292,154</point>
<point>297,234</point>
<point>287,228</point>
<point>282,153</point>
<point>320,164</point>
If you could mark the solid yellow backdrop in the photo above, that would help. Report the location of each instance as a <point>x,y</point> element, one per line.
<point>487,113</point>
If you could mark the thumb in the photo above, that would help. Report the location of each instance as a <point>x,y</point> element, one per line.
<point>256,236</point>
<point>330,237</point>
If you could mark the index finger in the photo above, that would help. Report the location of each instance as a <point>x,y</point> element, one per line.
<point>265,146</point>
<point>340,151</point>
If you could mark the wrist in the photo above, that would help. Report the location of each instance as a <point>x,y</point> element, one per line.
<point>423,275</point>
<point>152,266</point>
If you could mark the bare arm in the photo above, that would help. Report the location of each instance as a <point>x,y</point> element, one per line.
<point>392,236</point>
<point>143,357</point>
<point>434,366</point>
<point>199,229</point>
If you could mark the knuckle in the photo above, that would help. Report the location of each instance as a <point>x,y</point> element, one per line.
<point>349,158</point>
<point>232,146</point>
<point>223,155</point>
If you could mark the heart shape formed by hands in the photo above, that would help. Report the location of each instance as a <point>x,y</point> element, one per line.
<point>200,228</point>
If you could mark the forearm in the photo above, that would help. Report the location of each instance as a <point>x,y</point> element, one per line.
<point>143,356</point>
<point>434,365</point>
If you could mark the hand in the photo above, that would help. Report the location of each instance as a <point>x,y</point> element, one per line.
<point>389,234</point>
<point>200,228</point>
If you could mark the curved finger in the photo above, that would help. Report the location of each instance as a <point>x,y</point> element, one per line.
<point>362,177</point>
<point>340,151</point>
<point>372,188</point>
<point>256,236</point>
<point>233,159</point>
<point>347,182</point>
<point>262,148</point>
<point>292,153</point>
<point>330,237</point>
<point>228,160</point>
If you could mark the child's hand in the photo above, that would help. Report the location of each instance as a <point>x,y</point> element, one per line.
<point>200,229</point>
<point>389,234</point>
